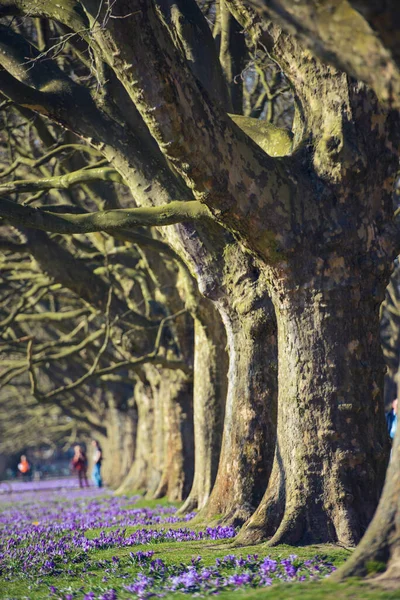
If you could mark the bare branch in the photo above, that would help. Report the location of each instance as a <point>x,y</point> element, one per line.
<point>51,316</point>
<point>27,298</point>
<point>41,357</point>
<point>63,181</point>
<point>14,247</point>
<point>30,162</point>
<point>71,386</point>
<point>109,220</point>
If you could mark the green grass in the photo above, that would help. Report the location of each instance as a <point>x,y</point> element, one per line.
<point>308,591</point>
<point>147,503</point>
<point>175,553</point>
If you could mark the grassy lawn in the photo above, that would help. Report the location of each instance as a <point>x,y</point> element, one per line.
<point>101,570</point>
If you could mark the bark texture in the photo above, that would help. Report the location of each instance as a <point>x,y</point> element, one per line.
<point>176,394</point>
<point>209,393</point>
<point>331,450</point>
<point>379,550</point>
<point>145,473</point>
<point>331,445</point>
<point>359,37</point>
<point>164,454</point>
<point>250,412</point>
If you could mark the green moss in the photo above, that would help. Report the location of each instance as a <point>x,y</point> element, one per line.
<point>217,517</point>
<point>275,141</point>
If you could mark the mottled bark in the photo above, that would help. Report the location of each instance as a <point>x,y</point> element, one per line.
<point>176,393</point>
<point>209,394</point>
<point>384,18</point>
<point>163,463</point>
<point>192,35</point>
<point>233,55</point>
<point>331,450</point>
<point>207,158</point>
<point>250,413</point>
<point>357,36</point>
<point>379,550</point>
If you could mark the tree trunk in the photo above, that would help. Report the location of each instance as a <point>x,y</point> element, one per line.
<point>379,549</point>
<point>119,444</point>
<point>164,447</point>
<point>210,383</point>
<point>144,472</point>
<point>176,393</point>
<point>333,29</point>
<point>250,414</point>
<point>331,450</point>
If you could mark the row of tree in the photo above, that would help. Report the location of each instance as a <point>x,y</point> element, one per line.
<point>240,334</point>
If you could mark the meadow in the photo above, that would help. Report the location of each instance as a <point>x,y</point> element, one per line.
<point>63,543</point>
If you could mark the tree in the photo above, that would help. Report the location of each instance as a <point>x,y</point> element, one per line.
<point>378,551</point>
<point>152,182</point>
<point>376,62</point>
<point>359,37</point>
<point>90,271</point>
<point>307,212</point>
<point>68,350</point>
<point>390,334</point>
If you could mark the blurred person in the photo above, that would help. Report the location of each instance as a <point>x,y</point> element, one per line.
<point>24,467</point>
<point>79,464</point>
<point>97,460</point>
<point>391,419</point>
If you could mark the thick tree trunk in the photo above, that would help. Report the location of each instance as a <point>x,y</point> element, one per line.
<point>176,393</point>
<point>379,550</point>
<point>333,29</point>
<point>119,444</point>
<point>331,450</point>
<point>144,475</point>
<point>250,413</point>
<point>164,445</point>
<point>209,394</point>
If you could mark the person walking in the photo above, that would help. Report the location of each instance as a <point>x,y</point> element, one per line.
<point>24,468</point>
<point>79,464</point>
<point>97,460</point>
<point>391,419</point>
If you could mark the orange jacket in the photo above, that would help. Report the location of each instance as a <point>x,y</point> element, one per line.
<point>24,466</point>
